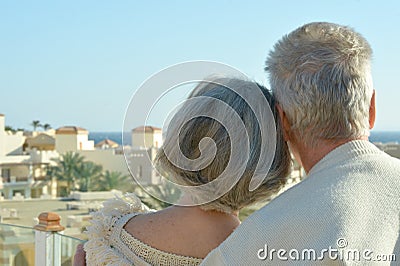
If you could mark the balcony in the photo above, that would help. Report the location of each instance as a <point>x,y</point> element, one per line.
<point>45,244</point>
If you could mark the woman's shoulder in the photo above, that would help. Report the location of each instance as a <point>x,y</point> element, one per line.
<point>187,231</point>
<point>162,236</point>
<point>104,225</point>
<point>111,244</point>
<point>113,210</point>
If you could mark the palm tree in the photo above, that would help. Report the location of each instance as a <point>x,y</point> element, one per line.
<point>46,127</point>
<point>112,180</point>
<point>9,128</point>
<point>165,190</point>
<point>35,124</point>
<point>86,172</point>
<point>67,169</point>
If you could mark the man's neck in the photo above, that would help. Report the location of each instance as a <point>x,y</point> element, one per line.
<point>310,156</point>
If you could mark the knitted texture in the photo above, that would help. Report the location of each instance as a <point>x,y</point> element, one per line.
<point>349,201</point>
<point>110,244</point>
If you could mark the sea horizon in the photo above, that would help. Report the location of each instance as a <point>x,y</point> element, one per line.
<point>97,136</point>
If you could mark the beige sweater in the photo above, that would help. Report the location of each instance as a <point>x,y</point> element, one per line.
<point>349,202</point>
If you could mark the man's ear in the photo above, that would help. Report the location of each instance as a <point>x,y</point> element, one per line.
<point>372,111</point>
<point>284,123</point>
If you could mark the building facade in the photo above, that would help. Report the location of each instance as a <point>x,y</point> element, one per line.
<point>26,157</point>
<point>24,172</point>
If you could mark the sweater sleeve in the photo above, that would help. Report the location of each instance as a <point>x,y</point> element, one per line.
<point>215,257</point>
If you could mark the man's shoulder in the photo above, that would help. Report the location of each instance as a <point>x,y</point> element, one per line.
<point>376,154</point>
<point>358,162</point>
<point>387,159</point>
<point>380,166</point>
<point>322,209</point>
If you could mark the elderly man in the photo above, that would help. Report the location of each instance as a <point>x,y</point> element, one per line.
<point>348,208</point>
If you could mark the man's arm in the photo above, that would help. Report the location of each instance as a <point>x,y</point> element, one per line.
<point>80,256</point>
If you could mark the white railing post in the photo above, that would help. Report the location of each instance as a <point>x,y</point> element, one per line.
<point>47,242</point>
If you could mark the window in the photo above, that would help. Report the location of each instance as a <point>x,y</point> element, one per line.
<point>140,171</point>
<point>6,174</point>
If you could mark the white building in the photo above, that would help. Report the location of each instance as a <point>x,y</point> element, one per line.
<point>24,173</point>
<point>147,137</point>
<point>106,144</point>
<point>24,159</point>
<point>10,143</point>
<point>76,139</point>
<point>146,140</point>
<point>71,138</point>
<point>140,165</point>
<point>111,159</point>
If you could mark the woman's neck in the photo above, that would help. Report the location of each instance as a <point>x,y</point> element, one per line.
<point>199,213</point>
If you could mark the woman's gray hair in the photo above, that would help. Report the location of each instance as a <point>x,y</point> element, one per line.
<point>203,127</point>
<point>320,75</point>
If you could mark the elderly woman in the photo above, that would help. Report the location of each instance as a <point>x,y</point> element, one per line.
<point>125,232</point>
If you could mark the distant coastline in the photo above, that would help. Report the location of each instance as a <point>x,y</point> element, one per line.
<point>114,136</point>
<point>385,136</point>
<point>376,136</point>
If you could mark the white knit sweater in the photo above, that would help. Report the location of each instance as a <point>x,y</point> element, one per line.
<point>350,200</point>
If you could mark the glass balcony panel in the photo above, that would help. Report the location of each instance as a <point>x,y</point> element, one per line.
<point>17,245</point>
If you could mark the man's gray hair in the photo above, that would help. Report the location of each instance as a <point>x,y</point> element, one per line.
<point>320,75</point>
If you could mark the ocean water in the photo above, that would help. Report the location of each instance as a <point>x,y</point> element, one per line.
<point>376,136</point>
<point>114,136</point>
<point>385,136</point>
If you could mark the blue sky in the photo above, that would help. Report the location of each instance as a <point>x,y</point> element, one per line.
<point>79,62</point>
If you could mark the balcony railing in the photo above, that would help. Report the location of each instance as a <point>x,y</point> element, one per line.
<point>16,245</point>
<point>42,245</point>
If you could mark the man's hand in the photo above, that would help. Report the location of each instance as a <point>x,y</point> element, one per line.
<point>80,256</point>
